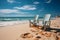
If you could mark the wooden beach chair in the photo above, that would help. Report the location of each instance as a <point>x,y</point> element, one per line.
<point>35,21</point>
<point>46,21</point>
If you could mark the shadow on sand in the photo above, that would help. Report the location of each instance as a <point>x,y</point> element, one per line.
<point>49,29</point>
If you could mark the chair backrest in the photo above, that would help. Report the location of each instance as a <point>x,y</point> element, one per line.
<point>36,18</point>
<point>47,17</point>
<point>46,20</point>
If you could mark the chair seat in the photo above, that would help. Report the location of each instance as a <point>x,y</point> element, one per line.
<point>40,23</point>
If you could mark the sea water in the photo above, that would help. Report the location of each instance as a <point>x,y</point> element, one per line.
<point>17,18</point>
<point>4,21</point>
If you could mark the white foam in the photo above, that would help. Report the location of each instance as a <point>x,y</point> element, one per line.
<point>7,19</point>
<point>6,23</point>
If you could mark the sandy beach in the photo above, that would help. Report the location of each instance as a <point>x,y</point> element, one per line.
<point>13,32</point>
<point>29,19</point>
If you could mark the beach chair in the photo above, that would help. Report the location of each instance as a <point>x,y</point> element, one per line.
<point>46,21</point>
<point>35,21</point>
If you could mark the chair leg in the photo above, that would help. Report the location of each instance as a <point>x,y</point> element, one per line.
<point>44,28</point>
<point>29,23</point>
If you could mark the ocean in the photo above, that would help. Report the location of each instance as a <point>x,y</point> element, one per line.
<point>4,21</point>
<point>17,18</point>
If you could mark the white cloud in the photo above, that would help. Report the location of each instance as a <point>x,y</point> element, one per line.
<point>49,1</point>
<point>8,11</point>
<point>12,1</point>
<point>17,13</point>
<point>26,7</point>
<point>35,2</point>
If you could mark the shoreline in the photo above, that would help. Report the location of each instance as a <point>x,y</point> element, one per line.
<point>2,23</point>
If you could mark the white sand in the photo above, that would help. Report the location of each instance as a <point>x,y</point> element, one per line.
<point>13,32</point>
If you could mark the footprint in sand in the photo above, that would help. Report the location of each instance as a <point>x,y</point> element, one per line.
<point>26,35</point>
<point>37,38</point>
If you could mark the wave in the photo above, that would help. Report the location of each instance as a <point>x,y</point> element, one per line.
<point>7,19</point>
<point>8,23</point>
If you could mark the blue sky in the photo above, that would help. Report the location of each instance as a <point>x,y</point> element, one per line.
<point>28,8</point>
